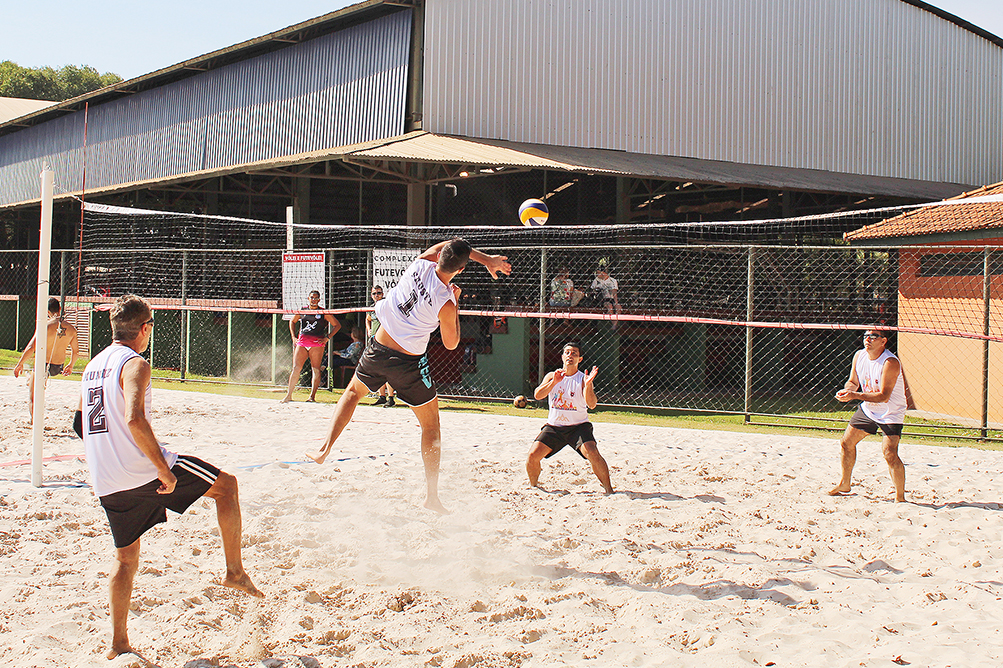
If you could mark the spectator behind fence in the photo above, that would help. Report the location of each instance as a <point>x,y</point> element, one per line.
<point>350,355</point>
<point>562,290</point>
<point>386,392</point>
<point>313,337</point>
<point>606,288</point>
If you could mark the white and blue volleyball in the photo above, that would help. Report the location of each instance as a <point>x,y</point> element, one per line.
<point>533,212</point>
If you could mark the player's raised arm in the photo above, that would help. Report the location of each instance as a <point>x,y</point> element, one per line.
<point>551,379</point>
<point>493,263</point>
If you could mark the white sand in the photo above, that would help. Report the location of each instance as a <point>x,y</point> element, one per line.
<point>721,549</point>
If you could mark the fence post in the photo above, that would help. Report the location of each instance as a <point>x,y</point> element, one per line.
<point>543,321</point>
<point>327,300</point>
<point>275,324</point>
<point>749,293</point>
<point>986,280</point>
<point>229,343</point>
<point>185,323</point>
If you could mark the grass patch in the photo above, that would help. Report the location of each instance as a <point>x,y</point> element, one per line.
<point>924,432</point>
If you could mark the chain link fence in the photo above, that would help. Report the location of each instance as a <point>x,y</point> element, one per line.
<point>768,332</point>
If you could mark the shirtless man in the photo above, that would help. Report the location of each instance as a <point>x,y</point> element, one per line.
<point>134,477</point>
<point>876,380</point>
<point>424,300</point>
<point>570,394</point>
<point>60,335</point>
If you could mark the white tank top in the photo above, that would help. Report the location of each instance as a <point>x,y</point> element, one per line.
<point>869,375</point>
<point>567,402</point>
<point>115,461</point>
<point>410,312</point>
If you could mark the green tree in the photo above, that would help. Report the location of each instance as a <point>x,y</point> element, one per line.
<point>46,83</point>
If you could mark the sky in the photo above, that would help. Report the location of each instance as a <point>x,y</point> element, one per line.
<point>135,38</point>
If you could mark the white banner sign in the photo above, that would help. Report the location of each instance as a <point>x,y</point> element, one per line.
<point>302,273</point>
<point>390,265</point>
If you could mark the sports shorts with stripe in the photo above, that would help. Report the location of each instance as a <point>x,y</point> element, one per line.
<point>132,511</point>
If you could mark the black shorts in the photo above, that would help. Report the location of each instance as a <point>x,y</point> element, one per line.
<point>575,435</point>
<point>409,375</point>
<point>132,511</point>
<point>53,369</point>
<point>863,423</point>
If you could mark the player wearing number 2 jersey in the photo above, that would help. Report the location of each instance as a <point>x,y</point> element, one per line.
<point>135,478</point>
<point>424,300</point>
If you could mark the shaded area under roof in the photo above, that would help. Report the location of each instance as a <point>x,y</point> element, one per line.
<point>954,220</point>
<point>427,147</point>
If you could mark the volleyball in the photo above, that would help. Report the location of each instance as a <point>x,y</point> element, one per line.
<point>519,402</point>
<point>533,212</point>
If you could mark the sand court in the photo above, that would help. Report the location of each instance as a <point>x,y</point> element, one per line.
<point>718,549</point>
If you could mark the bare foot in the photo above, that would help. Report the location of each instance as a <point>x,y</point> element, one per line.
<point>118,649</point>
<point>839,490</point>
<point>436,505</point>
<point>900,498</point>
<point>242,583</point>
<point>609,490</point>
<point>286,400</point>
<point>311,400</point>
<point>317,458</point>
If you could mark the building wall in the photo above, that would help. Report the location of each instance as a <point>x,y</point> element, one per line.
<point>342,88</point>
<point>874,87</point>
<point>945,372</point>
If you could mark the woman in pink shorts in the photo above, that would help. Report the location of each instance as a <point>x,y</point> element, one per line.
<point>312,338</point>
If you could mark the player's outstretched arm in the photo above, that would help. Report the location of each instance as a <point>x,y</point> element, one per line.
<point>493,263</point>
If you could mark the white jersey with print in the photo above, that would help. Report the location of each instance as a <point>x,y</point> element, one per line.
<point>869,376</point>
<point>567,402</point>
<point>410,312</point>
<point>606,286</point>
<point>115,461</point>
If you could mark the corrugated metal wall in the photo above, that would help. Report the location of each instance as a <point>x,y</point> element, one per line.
<point>875,87</point>
<point>338,89</point>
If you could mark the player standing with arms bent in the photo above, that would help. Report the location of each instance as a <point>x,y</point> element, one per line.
<point>876,381</point>
<point>424,300</point>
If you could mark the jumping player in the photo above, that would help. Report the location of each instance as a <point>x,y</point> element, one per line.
<point>876,381</point>
<point>133,476</point>
<point>571,394</point>
<point>424,300</point>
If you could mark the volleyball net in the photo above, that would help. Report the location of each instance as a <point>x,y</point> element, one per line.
<point>754,317</point>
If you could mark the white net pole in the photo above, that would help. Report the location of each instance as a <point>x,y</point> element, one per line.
<point>41,325</point>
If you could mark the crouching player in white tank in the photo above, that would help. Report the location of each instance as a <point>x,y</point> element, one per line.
<point>571,395</point>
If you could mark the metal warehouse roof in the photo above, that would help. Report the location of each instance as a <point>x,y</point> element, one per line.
<point>15,107</point>
<point>973,215</point>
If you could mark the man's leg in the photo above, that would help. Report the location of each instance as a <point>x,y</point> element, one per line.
<point>890,449</point>
<point>848,447</point>
<point>316,358</point>
<point>534,462</point>
<point>599,466</point>
<point>224,492</point>
<point>120,589</point>
<point>350,398</point>
<point>428,417</point>
<point>31,397</point>
<point>300,355</point>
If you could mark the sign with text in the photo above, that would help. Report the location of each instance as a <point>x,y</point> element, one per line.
<point>302,273</point>
<point>390,265</point>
